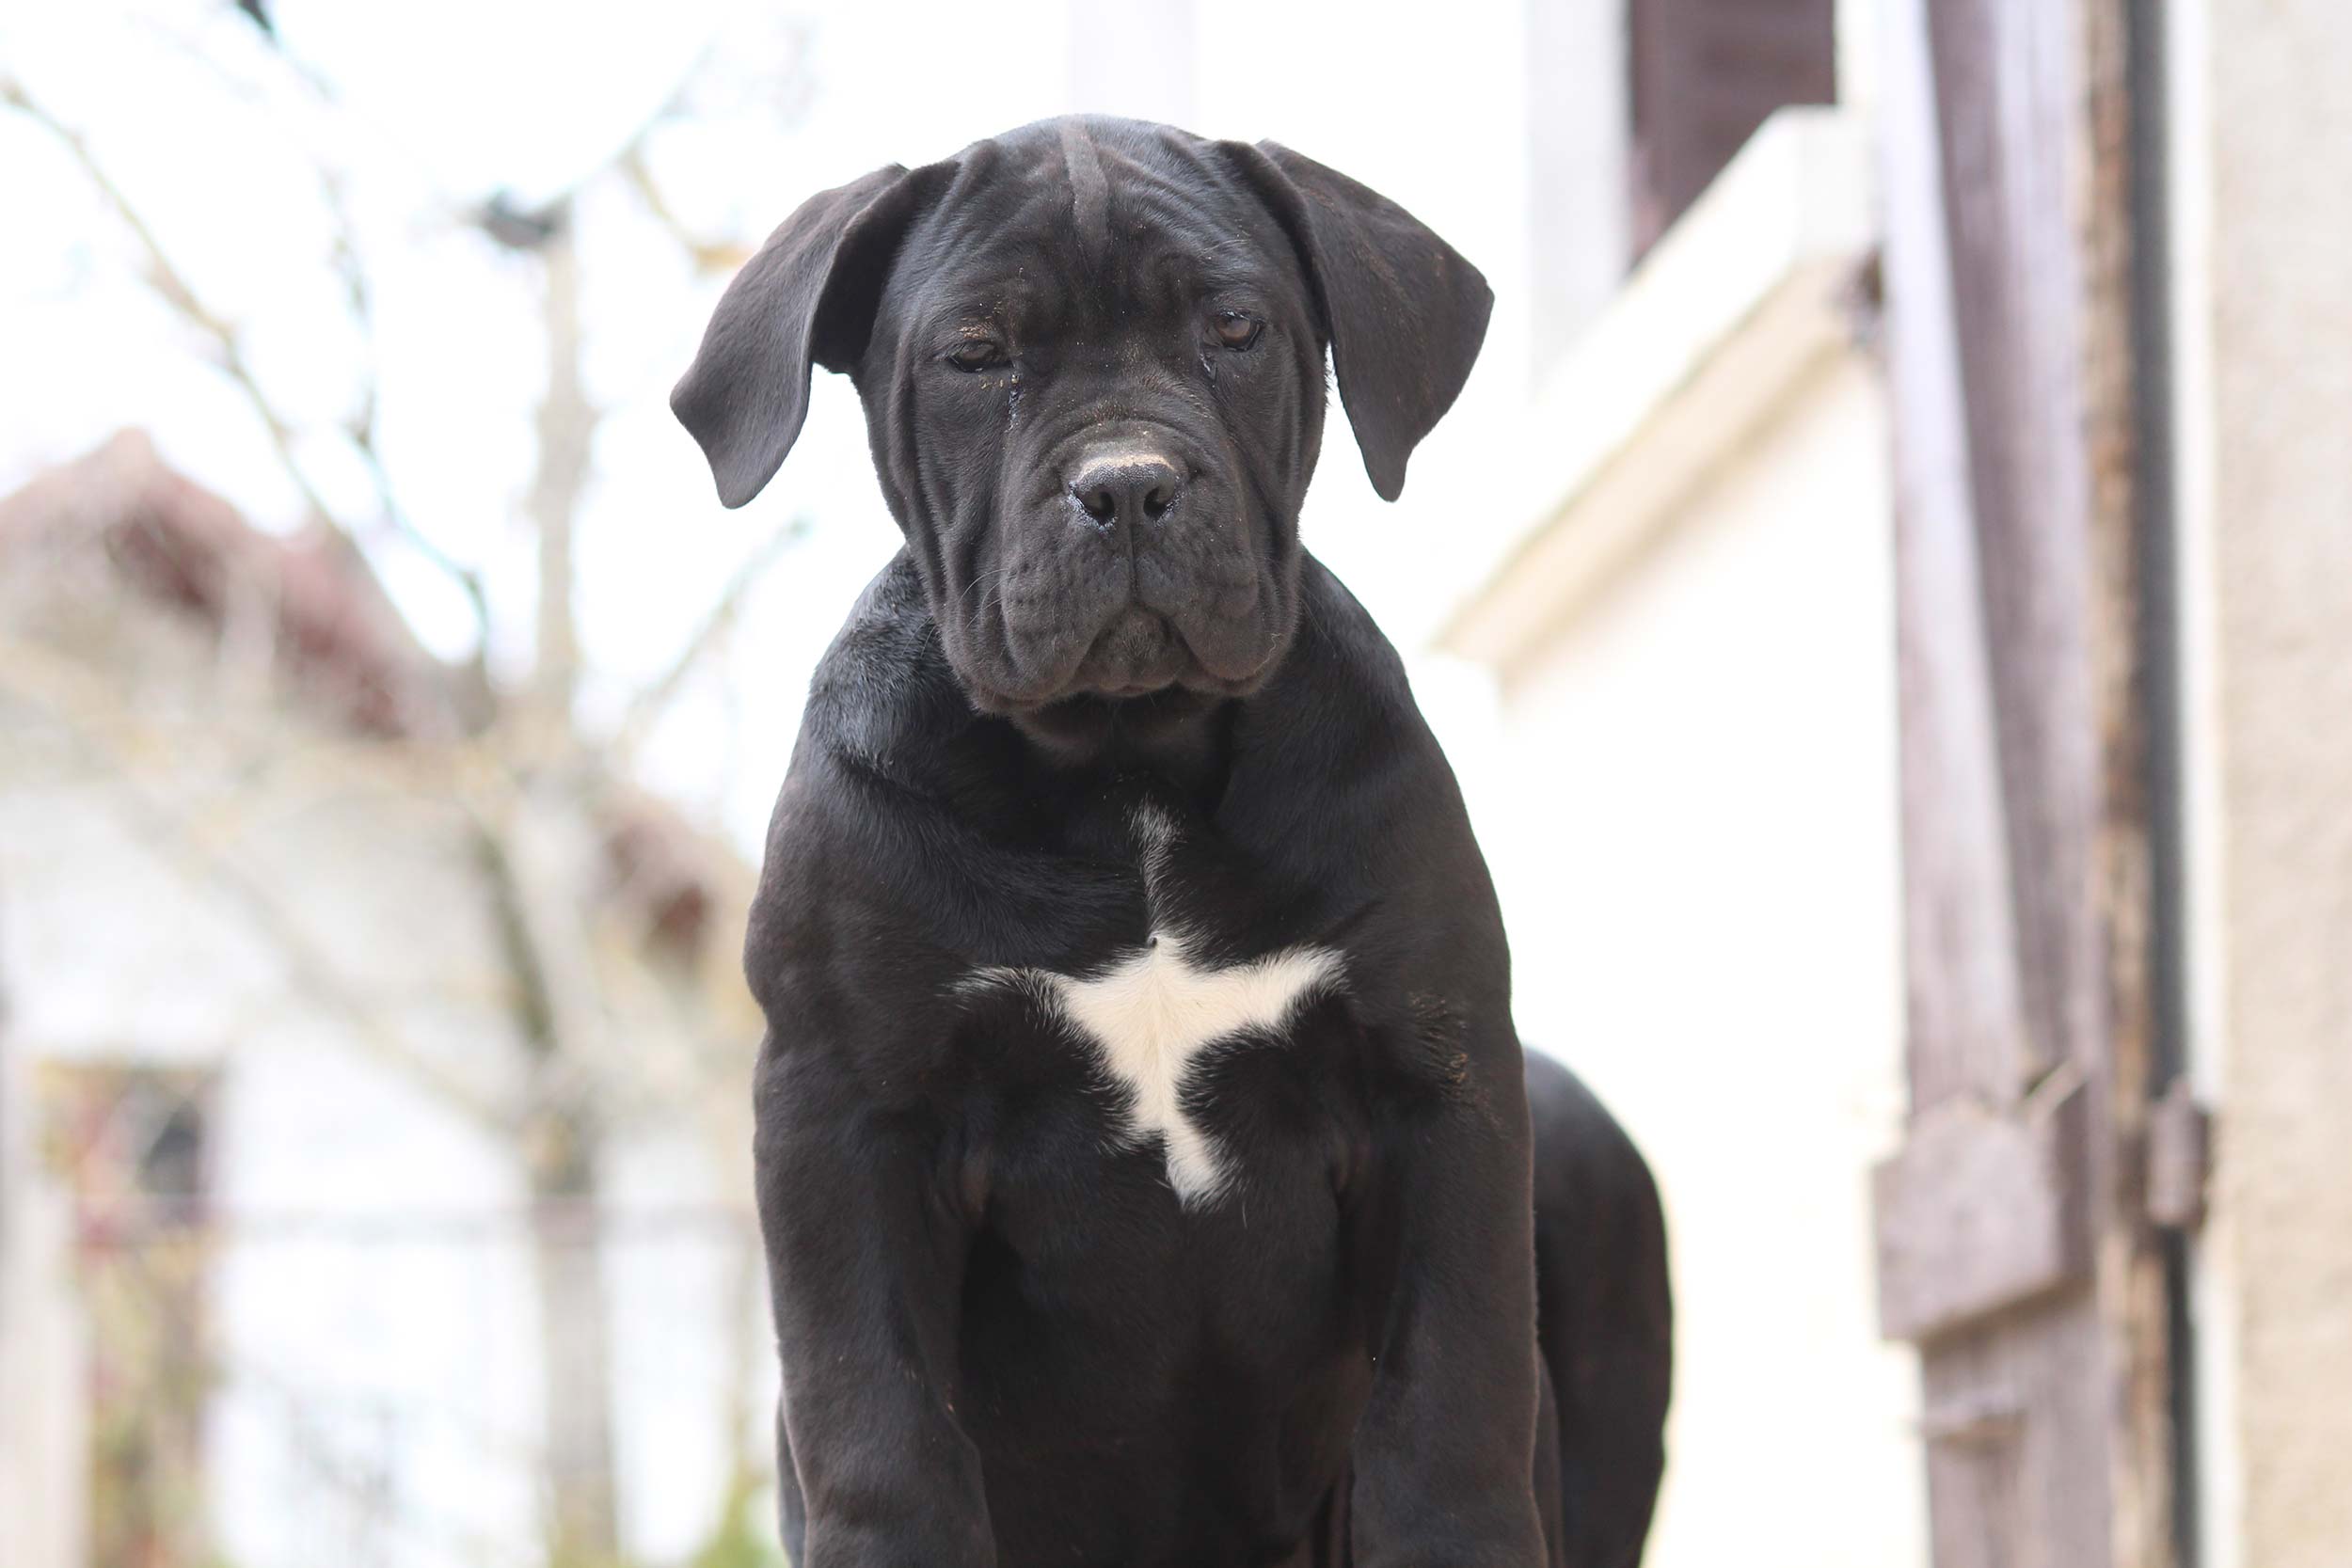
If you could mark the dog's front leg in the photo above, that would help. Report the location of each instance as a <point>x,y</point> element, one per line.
<point>1444,1452</point>
<point>866,1256</point>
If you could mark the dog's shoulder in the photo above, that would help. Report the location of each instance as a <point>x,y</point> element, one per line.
<point>1340,635</point>
<point>884,698</point>
<point>1335,756</point>
<point>882,708</point>
<point>1342,708</point>
<point>888,874</point>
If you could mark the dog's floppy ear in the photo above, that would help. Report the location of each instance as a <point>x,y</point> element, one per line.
<point>1405,311</point>
<point>807,297</point>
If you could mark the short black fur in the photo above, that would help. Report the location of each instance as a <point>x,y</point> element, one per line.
<point>1103,695</point>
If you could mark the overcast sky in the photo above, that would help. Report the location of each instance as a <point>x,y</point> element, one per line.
<point>448,101</point>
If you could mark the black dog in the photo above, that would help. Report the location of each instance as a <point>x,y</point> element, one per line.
<point>1145,1151</point>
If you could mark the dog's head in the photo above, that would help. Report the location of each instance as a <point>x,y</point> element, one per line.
<point>1092,357</point>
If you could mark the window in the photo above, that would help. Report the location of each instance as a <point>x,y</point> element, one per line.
<point>1704,74</point>
<point>132,1144</point>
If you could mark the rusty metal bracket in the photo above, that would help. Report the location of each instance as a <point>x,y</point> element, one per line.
<point>2180,1158</point>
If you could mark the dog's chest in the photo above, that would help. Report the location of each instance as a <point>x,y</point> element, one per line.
<point>1154,1017</point>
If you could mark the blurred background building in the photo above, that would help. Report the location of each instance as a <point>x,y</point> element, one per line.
<point>1884,592</point>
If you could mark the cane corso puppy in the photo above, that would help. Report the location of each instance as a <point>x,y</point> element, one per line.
<point>1148,1171</point>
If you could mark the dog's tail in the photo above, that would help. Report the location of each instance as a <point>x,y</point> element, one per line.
<point>1604,1317</point>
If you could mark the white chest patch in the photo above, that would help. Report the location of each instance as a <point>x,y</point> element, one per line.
<point>1151,1015</point>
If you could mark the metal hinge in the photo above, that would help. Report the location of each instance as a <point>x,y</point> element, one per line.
<point>2180,1158</point>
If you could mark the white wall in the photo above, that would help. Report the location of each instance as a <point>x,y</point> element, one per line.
<point>1690,815</point>
<point>374,1314</point>
<point>43,1504</point>
<point>2263,133</point>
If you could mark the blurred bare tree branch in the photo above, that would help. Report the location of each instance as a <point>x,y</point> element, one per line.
<point>229,353</point>
<point>524,772</point>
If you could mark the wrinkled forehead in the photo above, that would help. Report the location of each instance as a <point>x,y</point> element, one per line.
<point>1071,219</point>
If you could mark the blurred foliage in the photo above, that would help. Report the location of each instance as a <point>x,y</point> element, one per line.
<point>744,1536</point>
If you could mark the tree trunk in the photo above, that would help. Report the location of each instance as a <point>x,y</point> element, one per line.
<point>562,1136</point>
<point>566,427</point>
<point>575,1341</point>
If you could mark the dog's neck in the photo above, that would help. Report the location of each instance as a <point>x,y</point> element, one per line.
<point>1182,736</point>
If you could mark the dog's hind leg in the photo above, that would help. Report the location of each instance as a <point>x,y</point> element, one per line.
<point>1604,1317</point>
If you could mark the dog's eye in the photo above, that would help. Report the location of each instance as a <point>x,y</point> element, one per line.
<point>978,355</point>
<point>1235,329</point>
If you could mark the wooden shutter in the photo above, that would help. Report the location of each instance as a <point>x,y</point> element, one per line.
<point>2015,1244</point>
<point>1705,75</point>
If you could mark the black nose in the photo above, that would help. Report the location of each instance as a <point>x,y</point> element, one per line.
<point>1129,487</point>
